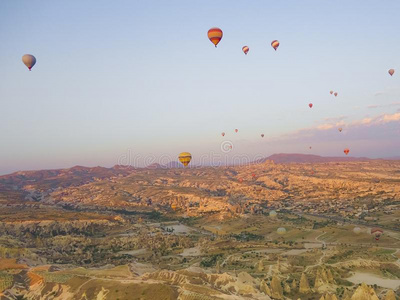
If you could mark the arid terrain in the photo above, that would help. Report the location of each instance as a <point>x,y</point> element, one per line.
<point>275,229</point>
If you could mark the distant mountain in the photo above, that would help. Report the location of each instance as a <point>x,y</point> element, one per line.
<point>173,165</point>
<point>282,158</point>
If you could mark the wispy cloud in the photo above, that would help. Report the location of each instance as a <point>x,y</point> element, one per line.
<point>394,104</point>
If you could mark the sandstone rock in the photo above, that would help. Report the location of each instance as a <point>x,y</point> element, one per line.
<point>265,288</point>
<point>276,288</point>
<point>390,295</point>
<point>364,292</point>
<point>304,287</point>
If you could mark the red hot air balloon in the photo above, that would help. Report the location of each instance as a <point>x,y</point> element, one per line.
<point>262,135</point>
<point>391,72</point>
<point>215,35</point>
<point>346,151</point>
<point>253,175</point>
<point>245,49</point>
<point>275,44</point>
<point>223,134</point>
<point>236,130</point>
<point>335,94</point>
<point>376,232</point>
<point>310,105</point>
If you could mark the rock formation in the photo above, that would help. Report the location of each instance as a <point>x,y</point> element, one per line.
<point>364,292</point>
<point>304,287</point>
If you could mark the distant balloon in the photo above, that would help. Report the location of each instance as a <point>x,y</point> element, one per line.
<point>253,175</point>
<point>391,72</point>
<point>310,147</point>
<point>240,180</point>
<point>340,129</point>
<point>236,130</point>
<point>215,35</point>
<point>29,61</point>
<point>245,49</point>
<point>376,232</point>
<point>275,44</point>
<point>273,214</point>
<point>262,135</point>
<point>223,134</point>
<point>357,230</point>
<point>335,94</point>
<point>185,158</point>
<point>346,151</point>
<point>310,105</point>
<point>281,230</point>
<point>331,92</point>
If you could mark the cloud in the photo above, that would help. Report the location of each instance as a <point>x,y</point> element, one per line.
<point>394,104</point>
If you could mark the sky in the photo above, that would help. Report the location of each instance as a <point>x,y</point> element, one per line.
<point>137,82</point>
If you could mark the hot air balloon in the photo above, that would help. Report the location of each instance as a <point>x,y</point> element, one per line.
<point>275,44</point>
<point>340,129</point>
<point>185,158</point>
<point>262,135</point>
<point>223,134</point>
<point>310,105</point>
<point>281,230</point>
<point>215,35</point>
<point>253,175</point>
<point>240,180</point>
<point>335,94</point>
<point>273,214</point>
<point>245,49</point>
<point>346,151</point>
<point>331,92</point>
<point>310,147</point>
<point>236,130</point>
<point>29,61</point>
<point>376,232</point>
<point>357,230</point>
<point>391,72</point>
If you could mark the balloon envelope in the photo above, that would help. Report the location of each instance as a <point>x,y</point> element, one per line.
<point>310,105</point>
<point>262,135</point>
<point>346,151</point>
<point>236,130</point>
<point>391,72</point>
<point>357,230</point>
<point>335,94</point>
<point>281,230</point>
<point>223,134</point>
<point>29,61</point>
<point>331,92</point>
<point>185,158</point>
<point>273,213</point>
<point>245,49</point>
<point>215,35</point>
<point>275,44</point>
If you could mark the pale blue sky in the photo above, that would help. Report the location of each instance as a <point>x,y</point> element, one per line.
<point>142,75</point>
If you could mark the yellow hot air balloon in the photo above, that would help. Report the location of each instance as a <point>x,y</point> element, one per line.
<point>185,158</point>
<point>215,35</point>
<point>245,49</point>
<point>29,61</point>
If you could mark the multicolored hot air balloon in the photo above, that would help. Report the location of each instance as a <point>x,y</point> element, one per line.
<point>310,105</point>
<point>391,72</point>
<point>376,232</point>
<point>245,49</point>
<point>215,35</point>
<point>185,158</point>
<point>281,230</point>
<point>331,92</point>
<point>29,61</point>
<point>335,94</point>
<point>236,130</point>
<point>275,44</point>
<point>346,151</point>
<point>340,129</point>
<point>262,135</point>
<point>223,134</point>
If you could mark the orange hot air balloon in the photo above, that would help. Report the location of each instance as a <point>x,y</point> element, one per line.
<point>223,134</point>
<point>391,72</point>
<point>215,35</point>
<point>310,105</point>
<point>340,129</point>
<point>236,130</point>
<point>275,44</point>
<point>346,151</point>
<point>262,135</point>
<point>331,92</point>
<point>335,94</point>
<point>245,49</point>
